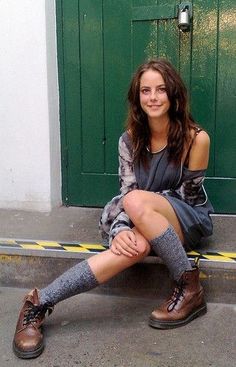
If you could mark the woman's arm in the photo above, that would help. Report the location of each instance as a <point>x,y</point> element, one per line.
<point>199,152</point>
<point>113,215</point>
<point>192,190</point>
<point>127,177</point>
<point>120,232</point>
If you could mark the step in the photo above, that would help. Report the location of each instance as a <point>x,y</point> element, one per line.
<point>26,263</point>
<point>81,224</point>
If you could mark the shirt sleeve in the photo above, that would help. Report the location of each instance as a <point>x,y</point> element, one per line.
<point>127,177</point>
<point>192,190</point>
<point>127,182</point>
<point>121,223</point>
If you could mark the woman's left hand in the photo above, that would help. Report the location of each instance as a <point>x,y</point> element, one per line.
<point>125,243</point>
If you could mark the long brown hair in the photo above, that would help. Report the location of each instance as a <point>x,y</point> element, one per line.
<point>181,121</point>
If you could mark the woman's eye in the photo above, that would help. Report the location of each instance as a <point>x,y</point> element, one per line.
<point>162,90</point>
<point>145,91</point>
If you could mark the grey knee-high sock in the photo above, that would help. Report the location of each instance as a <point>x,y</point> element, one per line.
<point>170,249</point>
<point>77,279</point>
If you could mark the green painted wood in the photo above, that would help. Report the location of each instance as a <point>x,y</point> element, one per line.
<point>185,49</point>
<point>168,40</point>
<point>70,97</point>
<point>92,85</point>
<point>97,189</point>
<point>225,133</point>
<point>144,2</point>
<point>144,35</point>
<point>100,43</point>
<point>220,192</point>
<point>117,71</point>
<point>160,11</point>
<point>144,41</point>
<point>204,69</point>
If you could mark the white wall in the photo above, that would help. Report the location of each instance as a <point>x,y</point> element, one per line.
<point>30,176</point>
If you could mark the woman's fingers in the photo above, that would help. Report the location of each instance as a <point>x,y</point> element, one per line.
<point>129,239</point>
<point>125,243</point>
<point>126,249</point>
<point>114,250</point>
<point>132,237</point>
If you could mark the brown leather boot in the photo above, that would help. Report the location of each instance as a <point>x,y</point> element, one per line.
<point>28,338</point>
<point>186,303</point>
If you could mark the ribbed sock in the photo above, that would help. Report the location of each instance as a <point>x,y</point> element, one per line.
<point>170,249</point>
<point>77,279</point>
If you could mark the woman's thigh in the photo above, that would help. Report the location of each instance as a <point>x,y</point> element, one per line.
<point>139,201</point>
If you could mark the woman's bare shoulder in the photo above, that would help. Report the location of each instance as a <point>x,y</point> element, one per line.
<point>201,138</point>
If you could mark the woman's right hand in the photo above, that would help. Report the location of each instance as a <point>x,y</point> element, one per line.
<point>125,243</point>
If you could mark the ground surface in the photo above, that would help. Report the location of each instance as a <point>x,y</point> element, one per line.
<point>104,330</point>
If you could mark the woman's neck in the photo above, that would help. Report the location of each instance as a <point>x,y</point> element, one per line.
<point>159,128</point>
<point>159,134</point>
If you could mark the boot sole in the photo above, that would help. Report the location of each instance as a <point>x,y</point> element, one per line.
<point>158,324</point>
<point>29,354</point>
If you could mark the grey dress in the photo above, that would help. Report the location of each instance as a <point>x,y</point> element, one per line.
<point>182,187</point>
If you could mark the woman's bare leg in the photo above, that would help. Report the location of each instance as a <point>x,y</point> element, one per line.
<point>155,219</point>
<point>107,264</point>
<point>151,213</point>
<point>88,274</point>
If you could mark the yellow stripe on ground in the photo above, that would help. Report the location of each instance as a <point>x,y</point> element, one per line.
<point>228,254</point>
<point>194,253</point>
<point>75,249</point>
<point>49,243</point>
<point>217,258</point>
<point>91,246</point>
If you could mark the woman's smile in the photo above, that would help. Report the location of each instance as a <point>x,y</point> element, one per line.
<point>154,106</point>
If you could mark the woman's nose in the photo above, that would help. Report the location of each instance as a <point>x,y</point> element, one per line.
<point>153,95</point>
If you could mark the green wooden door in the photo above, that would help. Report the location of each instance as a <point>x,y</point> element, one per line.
<point>100,43</point>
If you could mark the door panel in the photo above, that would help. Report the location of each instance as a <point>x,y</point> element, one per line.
<point>92,86</point>
<point>204,69</point>
<point>117,66</point>
<point>100,44</point>
<point>226,97</point>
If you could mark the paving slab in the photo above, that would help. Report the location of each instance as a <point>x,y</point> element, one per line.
<point>61,224</point>
<point>92,330</point>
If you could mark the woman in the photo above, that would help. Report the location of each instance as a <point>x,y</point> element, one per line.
<point>163,156</point>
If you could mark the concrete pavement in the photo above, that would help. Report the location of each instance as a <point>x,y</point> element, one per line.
<point>94,330</point>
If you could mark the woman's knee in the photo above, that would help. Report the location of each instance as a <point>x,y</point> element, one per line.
<point>134,204</point>
<point>143,246</point>
<point>143,249</point>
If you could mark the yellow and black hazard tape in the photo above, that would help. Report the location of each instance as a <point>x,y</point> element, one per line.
<point>89,248</point>
<point>52,245</point>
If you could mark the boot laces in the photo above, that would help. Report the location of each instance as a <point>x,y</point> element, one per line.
<point>34,313</point>
<point>177,296</point>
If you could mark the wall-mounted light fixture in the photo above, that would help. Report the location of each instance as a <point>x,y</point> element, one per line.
<point>185,13</point>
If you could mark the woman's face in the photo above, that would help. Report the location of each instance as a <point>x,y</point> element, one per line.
<point>153,97</point>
